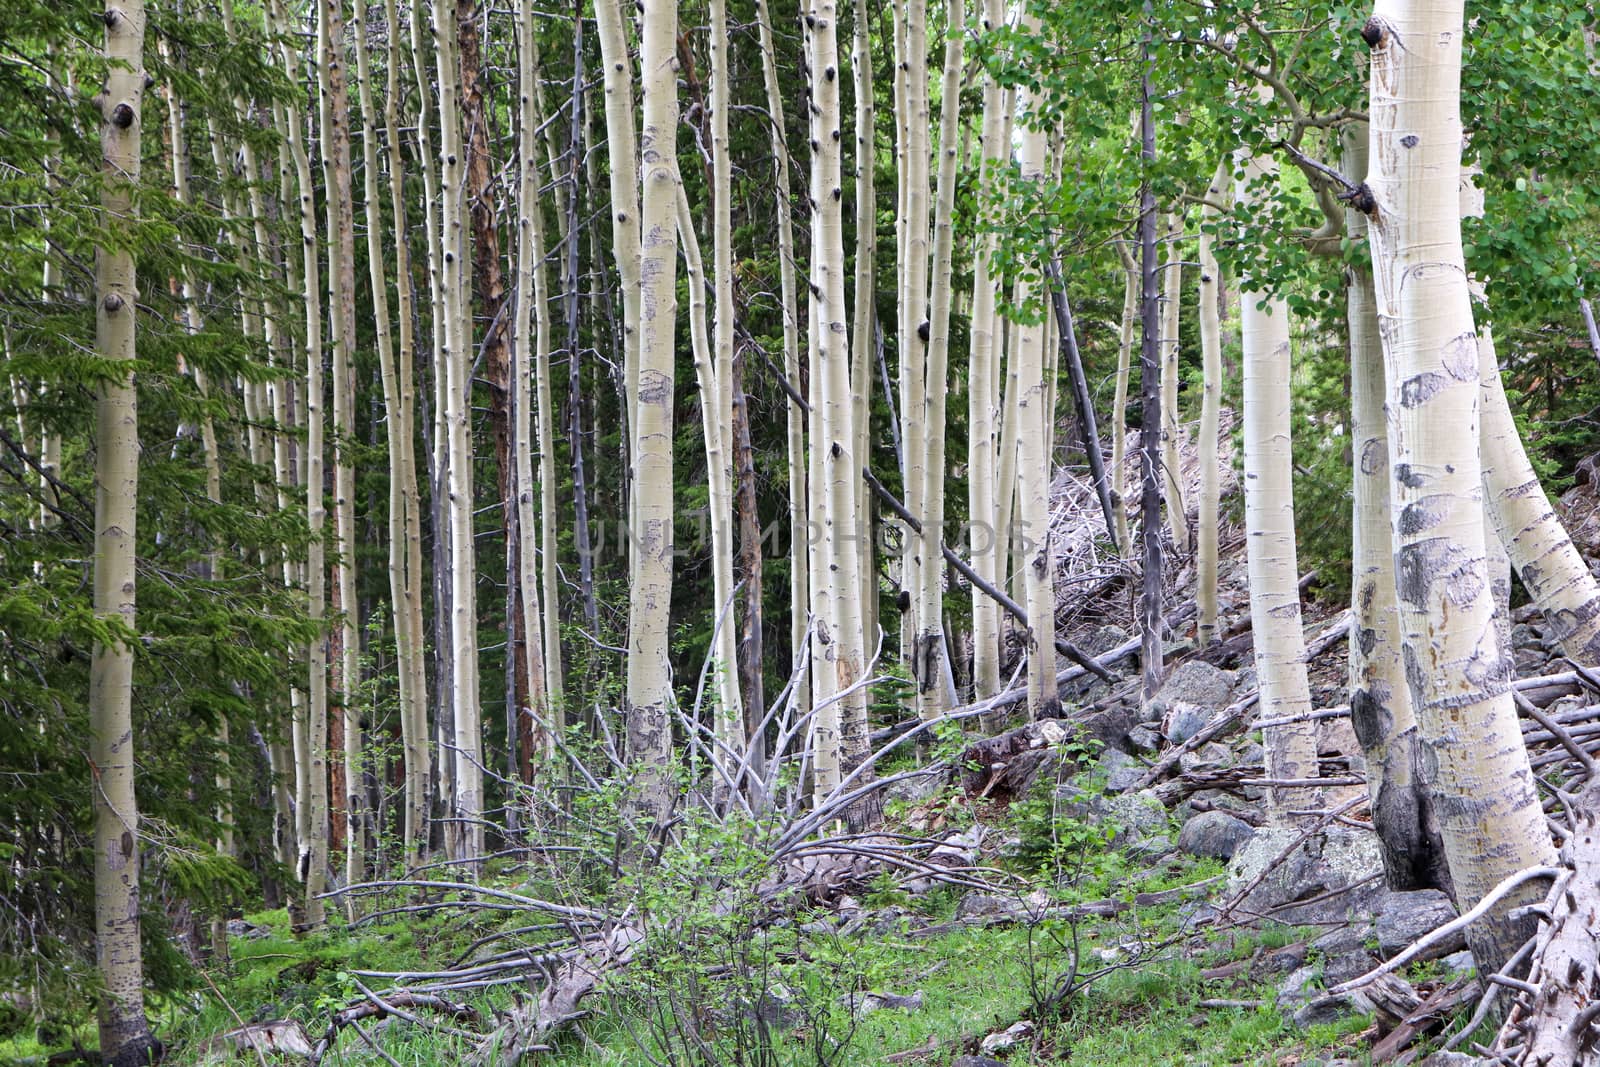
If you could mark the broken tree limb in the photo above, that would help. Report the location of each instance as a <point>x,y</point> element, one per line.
<point>1065,647</point>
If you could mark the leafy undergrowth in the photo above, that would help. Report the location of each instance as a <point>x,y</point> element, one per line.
<point>715,988</point>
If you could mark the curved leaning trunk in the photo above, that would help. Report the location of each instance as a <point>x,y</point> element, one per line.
<point>1280,651</point>
<point>1489,813</point>
<point>124,1031</point>
<point>1381,711</point>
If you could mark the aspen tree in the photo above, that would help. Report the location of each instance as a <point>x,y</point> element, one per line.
<point>864,314</point>
<point>455,356</point>
<point>795,419</point>
<point>1171,457</point>
<point>729,716</point>
<point>650,699</point>
<point>1119,399</point>
<point>1489,813</point>
<point>983,521</point>
<point>335,112</point>
<point>930,664</point>
<point>400,408</point>
<point>914,323</point>
<point>1033,461</point>
<point>311,746</point>
<point>1150,648</point>
<point>1380,698</point>
<point>841,532</point>
<point>530,332</point>
<point>125,1037</point>
<point>1280,652</point>
<point>1210,320</point>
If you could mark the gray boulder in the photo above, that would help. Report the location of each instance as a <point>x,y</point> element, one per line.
<point>1300,889</point>
<point>1186,719</point>
<point>1405,917</point>
<point>1196,682</point>
<point>1214,835</point>
<point>1122,771</point>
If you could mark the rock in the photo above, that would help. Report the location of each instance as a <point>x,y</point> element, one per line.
<point>866,1003</point>
<point>976,1061</point>
<point>977,905</point>
<point>1196,682</point>
<point>1110,727</point>
<point>1286,960</point>
<point>1214,834</point>
<point>1184,720</point>
<point>1152,711</point>
<point>1343,940</point>
<point>1122,771</point>
<point>1011,1035</point>
<point>1452,1059</point>
<point>1405,917</point>
<point>1142,822</point>
<point>1334,858</point>
<point>1144,738</point>
<point>1209,755</point>
<point>1302,985</point>
<point>285,1036</point>
<point>920,787</point>
<point>1458,964</point>
<point>1326,1010</point>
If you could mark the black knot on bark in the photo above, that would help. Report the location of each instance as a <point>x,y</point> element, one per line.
<point>811,21</point>
<point>113,302</point>
<point>903,602</point>
<point>838,193</point>
<point>149,81</point>
<point>1409,140</point>
<point>923,330</point>
<point>836,450</point>
<point>1363,200</point>
<point>112,16</point>
<point>1372,32</point>
<point>830,73</point>
<point>122,116</point>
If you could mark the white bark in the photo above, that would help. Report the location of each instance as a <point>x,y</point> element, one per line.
<point>1210,317</point>
<point>1489,813</point>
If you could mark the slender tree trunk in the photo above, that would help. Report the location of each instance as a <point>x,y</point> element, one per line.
<point>125,1037</point>
<point>1150,622</point>
<point>864,315</point>
<point>405,521</point>
<point>914,327</point>
<point>983,520</point>
<point>1380,699</point>
<point>1280,651</point>
<point>1119,399</point>
<point>1033,466</point>
<point>1171,456</point>
<point>1210,317</point>
<point>342,310</point>
<point>799,554</point>
<point>1489,812</point>
<point>930,664</point>
<point>650,698</point>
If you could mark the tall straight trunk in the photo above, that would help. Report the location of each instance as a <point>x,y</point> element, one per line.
<point>1033,460</point>
<point>1280,650</point>
<point>1171,456</point>
<point>1210,317</point>
<point>311,747</point>
<point>650,698</point>
<point>864,314</point>
<point>1489,812</point>
<point>795,419</point>
<point>455,357</point>
<point>831,386</point>
<point>983,520</point>
<point>405,555</point>
<point>751,636</point>
<point>1150,621</point>
<point>729,719</point>
<point>342,308</point>
<point>1119,397</point>
<point>930,663</point>
<point>1380,698</point>
<point>914,327</point>
<point>825,745</point>
<point>125,1037</point>
<point>530,334</point>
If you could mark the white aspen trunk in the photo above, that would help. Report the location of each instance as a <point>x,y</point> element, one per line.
<point>401,410</point>
<point>983,543</point>
<point>1210,319</point>
<point>825,746</point>
<point>794,417</point>
<point>1171,458</point>
<point>455,356</point>
<point>727,728</point>
<point>530,342</point>
<point>863,319</point>
<point>930,665</point>
<point>650,699</point>
<point>1381,711</point>
<point>1009,546</point>
<point>124,1030</point>
<point>1280,650</point>
<point>1119,399</point>
<point>1489,813</point>
<point>341,303</point>
<point>914,323</point>
<point>1033,461</point>
<point>311,741</point>
<point>729,714</point>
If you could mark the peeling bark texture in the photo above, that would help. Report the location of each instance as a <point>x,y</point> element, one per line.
<point>648,728</point>
<point>1380,700</point>
<point>1210,316</point>
<point>1489,813</point>
<point>1280,650</point>
<point>125,1037</point>
<point>1033,461</point>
